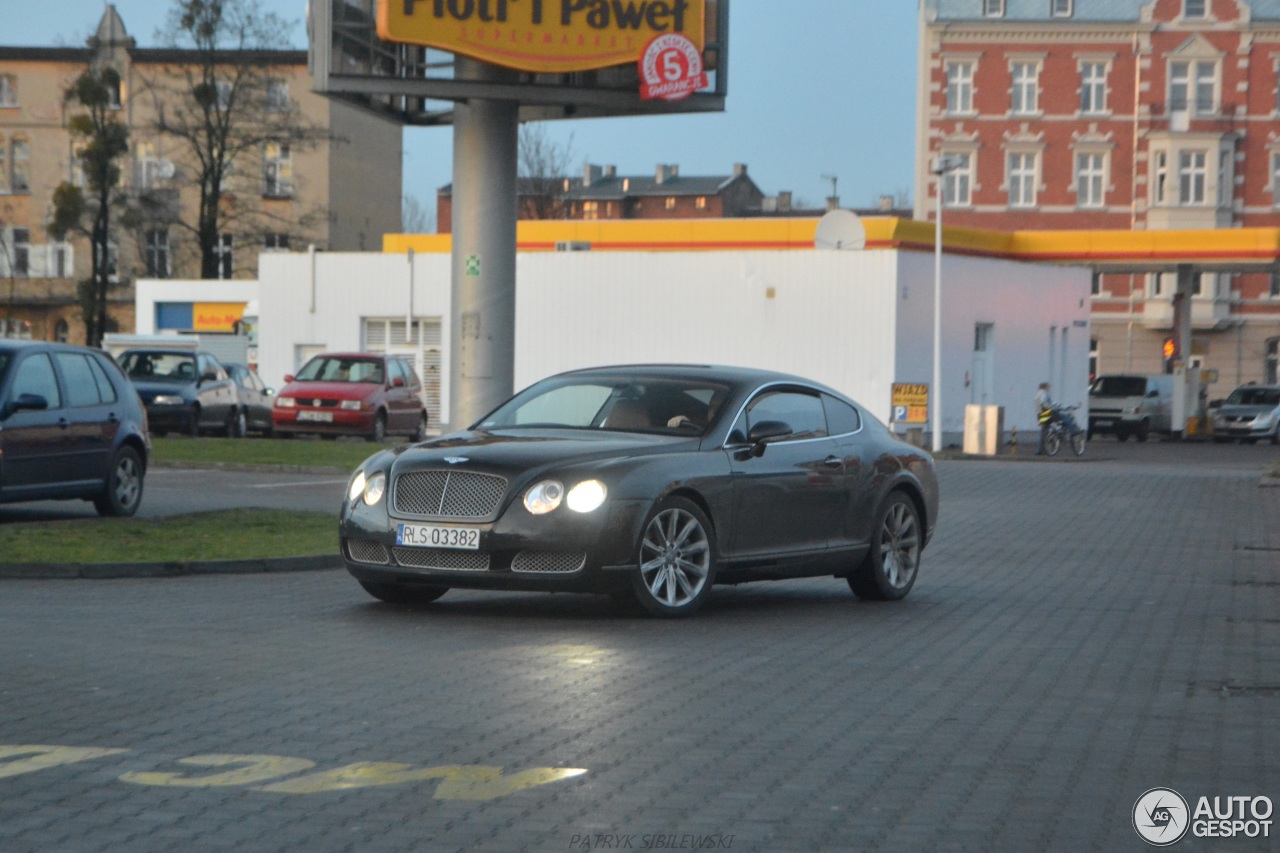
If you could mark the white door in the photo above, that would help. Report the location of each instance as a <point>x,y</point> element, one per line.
<point>982,389</point>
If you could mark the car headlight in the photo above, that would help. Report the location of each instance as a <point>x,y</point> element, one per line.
<point>285,402</point>
<point>358,483</point>
<point>168,400</point>
<point>351,405</point>
<point>375,488</point>
<point>544,497</point>
<point>586,496</point>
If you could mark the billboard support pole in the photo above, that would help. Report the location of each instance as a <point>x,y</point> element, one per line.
<point>483,278</point>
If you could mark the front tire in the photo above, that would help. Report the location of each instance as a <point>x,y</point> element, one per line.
<point>123,492</point>
<point>394,593</point>
<point>379,429</point>
<point>889,570</point>
<point>1077,442</point>
<point>1053,442</point>
<point>676,562</point>
<point>420,434</point>
<point>1144,430</point>
<point>237,424</point>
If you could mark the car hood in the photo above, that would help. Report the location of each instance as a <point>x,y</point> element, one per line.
<point>149,389</point>
<point>329,390</point>
<point>512,452</point>
<point>1245,411</point>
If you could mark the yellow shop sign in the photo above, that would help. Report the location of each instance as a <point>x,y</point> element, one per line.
<point>551,36</point>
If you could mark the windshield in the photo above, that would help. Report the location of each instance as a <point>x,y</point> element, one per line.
<point>1254,397</point>
<point>632,405</point>
<point>330,369</point>
<point>1118,386</point>
<point>159,366</point>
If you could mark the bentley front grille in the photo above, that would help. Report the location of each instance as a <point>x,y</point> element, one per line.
<point>548,562</point>
<point>449,494</point>
<point>443,559</point>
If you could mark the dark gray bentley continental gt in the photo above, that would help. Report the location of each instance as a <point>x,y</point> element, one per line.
<point>651,482</point>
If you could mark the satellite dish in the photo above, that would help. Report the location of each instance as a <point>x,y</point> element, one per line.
<point>165,169</point>
<point>840,229</point>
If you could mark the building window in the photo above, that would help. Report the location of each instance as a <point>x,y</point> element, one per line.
<point>277,170</point>
<point>1160,178</point>
<point>1271,368</point>
<point>61,331</point>
<point>8,90</point>
<point>670,203</point>
<point>1091,179</point>
<point>115,92</point>
<point>1195,8</point>
<point>224,92</point>
<point>20,177</point>
<point>277,96</point>
<point>1026,88</point>
<point>1022,179</point>
<point>960,87</point>
<point>701,203</point>
<point>4,166</point>
<point>20,252</point>
<point>222,251</point>
<point>591,209</point>
<point>1225,194</point>
<point>1060,8</point>
<point>59,264</point>
<point>1093,88</point>
<point>147,165</point>
<point>993,8</point>
<point>1193,86</point>
<point>1093,358</point>
<point>157,253</point>
<point>957,183</point>
<point>1192,177</point>
<point>273,242</point>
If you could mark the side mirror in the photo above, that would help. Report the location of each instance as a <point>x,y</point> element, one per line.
<point>1152,394</point>
<point>398,382</point>
<point>30,402</point>
<point>288,377</point>
<point>209,376</point>
<point>764,432</point>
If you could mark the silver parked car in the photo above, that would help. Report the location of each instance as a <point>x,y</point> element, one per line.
<point>1250,413</point>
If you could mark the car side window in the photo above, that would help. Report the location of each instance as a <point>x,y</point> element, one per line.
<point>842,418</point>
<point>396,368</point>
<point>77,376</point>
<point>35,376</point>
<point>410,375</point>
<point>106,390</point>
<point>800,411</point>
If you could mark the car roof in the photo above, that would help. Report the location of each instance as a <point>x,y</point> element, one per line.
<point>368,356</point>
<point>16,345</point>
<point>706,372</point>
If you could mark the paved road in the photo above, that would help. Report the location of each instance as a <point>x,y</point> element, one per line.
<point>1083,631</point>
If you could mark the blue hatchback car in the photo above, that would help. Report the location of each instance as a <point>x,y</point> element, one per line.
<point>71,427</point>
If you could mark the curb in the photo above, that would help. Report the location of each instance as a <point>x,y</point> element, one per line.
<point>112,571</point>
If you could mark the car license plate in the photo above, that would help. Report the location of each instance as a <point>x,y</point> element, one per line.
<point>322,417</point>
<point>436,536</point>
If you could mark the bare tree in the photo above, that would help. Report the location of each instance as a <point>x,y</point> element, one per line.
<point>414,216</point>
<point>101,144</point>
<point>232,121</point>
<point>544,164</point>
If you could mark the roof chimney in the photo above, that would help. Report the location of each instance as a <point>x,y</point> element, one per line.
<point>739,170</point>
<point>610,171</point>
<point>590,174</point>
<point>667,172</point>
<point>886,202</point>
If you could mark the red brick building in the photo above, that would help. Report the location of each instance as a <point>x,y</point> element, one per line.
<point>1126,114</point>
<point>601,193</point>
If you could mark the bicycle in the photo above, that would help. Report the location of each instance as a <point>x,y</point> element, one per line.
<point>1063,428</point>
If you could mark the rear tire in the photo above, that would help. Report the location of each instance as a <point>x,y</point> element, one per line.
<point>1144,430</point>
<point>237,424</point>
<point>193,428</point>
<point>394,593</point>
<point>123,492</point>
<point>1053,442</point>
<point>889,570</point>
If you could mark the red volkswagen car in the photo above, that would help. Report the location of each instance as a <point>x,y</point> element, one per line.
<point>352,393</point>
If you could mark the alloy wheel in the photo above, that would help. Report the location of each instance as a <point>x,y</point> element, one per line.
<point>675,558</point>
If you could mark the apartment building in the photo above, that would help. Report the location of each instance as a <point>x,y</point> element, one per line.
<point>1115,114</point>
<point>340,191</point>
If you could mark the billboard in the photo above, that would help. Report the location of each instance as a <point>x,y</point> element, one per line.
<point>542,36</point>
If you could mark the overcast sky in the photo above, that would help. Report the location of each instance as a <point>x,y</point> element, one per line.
<point>816,87</point>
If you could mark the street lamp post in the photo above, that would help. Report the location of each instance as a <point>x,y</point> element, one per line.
<point>940,167</point>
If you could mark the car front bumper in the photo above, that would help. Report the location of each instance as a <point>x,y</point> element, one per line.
<point>341,422</point>
<point>560,551</point>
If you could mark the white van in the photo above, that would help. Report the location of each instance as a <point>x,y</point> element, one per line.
<point>1131,405</point>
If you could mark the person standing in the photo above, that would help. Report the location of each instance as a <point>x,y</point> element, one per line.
<point>1044,410</point>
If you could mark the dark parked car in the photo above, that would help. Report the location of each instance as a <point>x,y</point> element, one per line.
<point>187,392</point>
<point>71,427</point>
<point>254,398</point>
<point>352,393</point>
<point>1250,413</point>
<point>649,482</point>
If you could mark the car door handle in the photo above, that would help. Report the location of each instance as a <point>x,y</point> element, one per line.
<point>63,423</point>
<point>833,462</point>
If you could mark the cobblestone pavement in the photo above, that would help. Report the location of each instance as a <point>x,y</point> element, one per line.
<point>1083,631</point>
